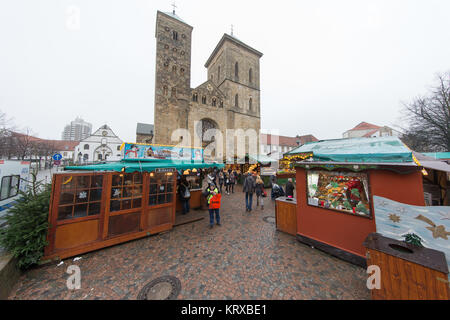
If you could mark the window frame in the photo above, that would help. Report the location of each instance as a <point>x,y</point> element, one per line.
<point>8,195</point>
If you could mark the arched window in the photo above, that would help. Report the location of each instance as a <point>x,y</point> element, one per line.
<point>213,102</point>
<point>195,97</point>
<point>174,92</point>
<point>236,100</point>
<point>86,147</point>
<point>250,75</point>
<point>165,90</point>
<point>175,35</point>
<point>174,69</point>
<point>204,99</point>
<point>182,70</point>
<point>250,103</point>
<point>221,104</point>
<point>236,70</point>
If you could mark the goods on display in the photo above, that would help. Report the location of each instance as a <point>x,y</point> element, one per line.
<point>343,191</point>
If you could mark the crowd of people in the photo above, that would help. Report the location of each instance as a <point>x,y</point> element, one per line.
<point>220,182</point>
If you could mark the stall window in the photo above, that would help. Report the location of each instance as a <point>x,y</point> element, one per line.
<point>161,188</point>
<point>80,196</point>
<point>347,192</point>
<point>9,187</point>
<point>126,191</point>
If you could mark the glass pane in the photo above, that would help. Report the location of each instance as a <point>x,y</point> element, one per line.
<point>169,197</point>
<point>95,195</point>
<point>137,191</point>
<point>81,196</point>
<point>97,181</point>
<point>161,188</point>
<point>14,186</point>
<point>153,189</point>
<point>68,182</point>
<point>169,187</point>
<point>80,210</point>
<point>137,178</point>
<point>152,177</point>
<point>116,192</point>
<point>339,191</point>
<point>128,179</point>
<point>94,208</point>
<point>161,198</point>
<point>127,192</point>
<point>116,180</point>
<point>152,200</point>
<point>65,212</point>
<point>66,197</point>
<point>114,205</point>
<point>6,181</point>
<point>83,182</point>
<point>137,203</point>
<point>126,204</point>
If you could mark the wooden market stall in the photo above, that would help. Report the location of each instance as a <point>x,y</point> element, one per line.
<point>335,190</point>
<point>96,206</point>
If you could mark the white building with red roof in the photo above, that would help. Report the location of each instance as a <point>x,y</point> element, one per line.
<point>276,145</point>
<point>369,130</point>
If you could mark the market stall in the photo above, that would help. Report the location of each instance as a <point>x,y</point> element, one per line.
<point>96,206</point>
<point>335,189</point>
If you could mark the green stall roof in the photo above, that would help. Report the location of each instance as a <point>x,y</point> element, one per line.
<point>378,150</point>
<point>148,165</point>
<point>438,155</point>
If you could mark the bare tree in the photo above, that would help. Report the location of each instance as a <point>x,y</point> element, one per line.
<point>429,118</point>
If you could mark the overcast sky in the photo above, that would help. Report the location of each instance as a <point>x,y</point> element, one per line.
<point>327,65</point>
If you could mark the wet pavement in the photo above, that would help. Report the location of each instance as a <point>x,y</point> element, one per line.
<point>244,258</point>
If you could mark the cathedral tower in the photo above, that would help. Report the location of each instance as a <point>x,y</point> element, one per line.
<point>173,76</point>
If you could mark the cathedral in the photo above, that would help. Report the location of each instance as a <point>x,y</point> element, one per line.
<point>229,99</point>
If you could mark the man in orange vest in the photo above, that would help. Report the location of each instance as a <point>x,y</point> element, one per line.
<point>213,197</point>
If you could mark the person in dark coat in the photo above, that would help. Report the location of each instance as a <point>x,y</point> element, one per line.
<point>249,189</point>
<point>290,188</point>
<point>184,195</point>
<point>277,191</point>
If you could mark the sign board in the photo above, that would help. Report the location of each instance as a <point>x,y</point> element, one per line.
<point>163,170</point>
<point>155,151</point>
<point>57,162</point>
<point>57,156</point>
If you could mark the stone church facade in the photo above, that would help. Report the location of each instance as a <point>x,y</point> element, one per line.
<point>229,99</point>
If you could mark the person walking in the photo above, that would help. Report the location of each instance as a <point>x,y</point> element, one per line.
<point>290,188</point>
<point>221,180</point>
<point>185,195</point>
<point>259,190</point>
<point>227,182</point>
<point>232,182</point>
<point>213,198</point>
<point>249,189</point>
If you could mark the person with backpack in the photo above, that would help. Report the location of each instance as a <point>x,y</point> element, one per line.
<point>185,195</point>
<point>249,189</point>
<point>277,191</point>
<point>259,190</point>
<point>213,198</point>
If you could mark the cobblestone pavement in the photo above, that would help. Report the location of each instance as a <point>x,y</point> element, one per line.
<point>245,258</point>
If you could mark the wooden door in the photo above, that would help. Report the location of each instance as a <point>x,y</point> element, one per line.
<point>124,204</point>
